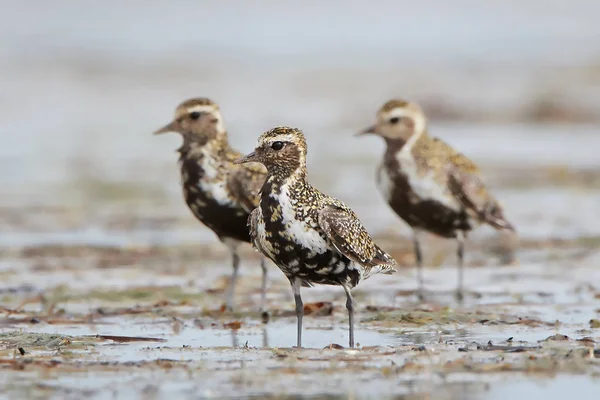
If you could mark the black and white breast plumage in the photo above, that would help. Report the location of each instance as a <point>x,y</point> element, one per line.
<point>313,237</point>
<point>420,200</point>
<point>206,192</point>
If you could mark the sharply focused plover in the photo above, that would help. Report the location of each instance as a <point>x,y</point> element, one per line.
<point>313,238</point>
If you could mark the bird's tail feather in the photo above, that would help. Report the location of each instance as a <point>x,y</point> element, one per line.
<point>383,263</point>
<point>495,217</point>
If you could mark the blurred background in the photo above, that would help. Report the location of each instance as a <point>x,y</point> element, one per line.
<point>515,85</point>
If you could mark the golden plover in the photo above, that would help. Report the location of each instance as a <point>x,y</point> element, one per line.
<point>313,238</point>
<point>219,193</point>
<point>430,185</point>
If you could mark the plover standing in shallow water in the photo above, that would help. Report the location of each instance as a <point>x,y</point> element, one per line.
<point>219,193</point>
<point>313,238</point>
<point>430,185</point>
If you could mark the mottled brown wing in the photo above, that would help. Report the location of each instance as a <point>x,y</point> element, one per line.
<point>253,221</point>
<point>464,180</point>
<point>345,231</point>
<point>468,188</point>
<point>245,183</point>
<point>465,183</point>
<point>253,224</point>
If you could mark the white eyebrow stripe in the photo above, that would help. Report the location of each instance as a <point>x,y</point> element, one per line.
<point>201,108</point>
<point>282,138</point>
<point>401,112</point>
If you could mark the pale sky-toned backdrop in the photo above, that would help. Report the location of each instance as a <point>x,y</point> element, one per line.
<point>83,84</point>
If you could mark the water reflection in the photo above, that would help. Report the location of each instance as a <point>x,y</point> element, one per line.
<point>235,343</point>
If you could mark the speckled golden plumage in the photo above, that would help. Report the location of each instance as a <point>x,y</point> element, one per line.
<point>428,183</point>
<point>313,238</point>
<point>219,193</point>
<point>461,177</point>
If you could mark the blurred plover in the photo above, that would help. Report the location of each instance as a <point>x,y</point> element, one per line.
<point>431,186</point>
<point>219,193</point>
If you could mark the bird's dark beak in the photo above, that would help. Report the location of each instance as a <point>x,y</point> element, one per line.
<point>252,157</point>
<point>367,131</point>
<point>170,127</point>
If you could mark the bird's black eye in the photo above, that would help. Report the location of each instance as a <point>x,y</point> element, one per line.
<point>394,120</point>
<point>277,145</point>
<point>194,115</point>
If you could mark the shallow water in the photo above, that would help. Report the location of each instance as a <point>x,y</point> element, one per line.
<point>556,388</point>
<point>178,341</point>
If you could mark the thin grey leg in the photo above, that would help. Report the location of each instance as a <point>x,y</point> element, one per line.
<point>234,339</point>
<point>296,283</point>
<point>263,287</point>
<point>234,276</point>
<point>350,307</point>
<point>460,238</point>
<point>419,262</point>
<point>265,338</point>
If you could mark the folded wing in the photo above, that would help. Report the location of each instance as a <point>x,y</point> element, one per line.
<point>245,183</point>
<point>346,233</point>
<point>468,188</point>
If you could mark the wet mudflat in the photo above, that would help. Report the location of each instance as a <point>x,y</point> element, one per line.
<point>99,321</point>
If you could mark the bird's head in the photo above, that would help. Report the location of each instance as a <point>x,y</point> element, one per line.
<point>397,120</point>
<point>197,120</point>
<point>281,148</point>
